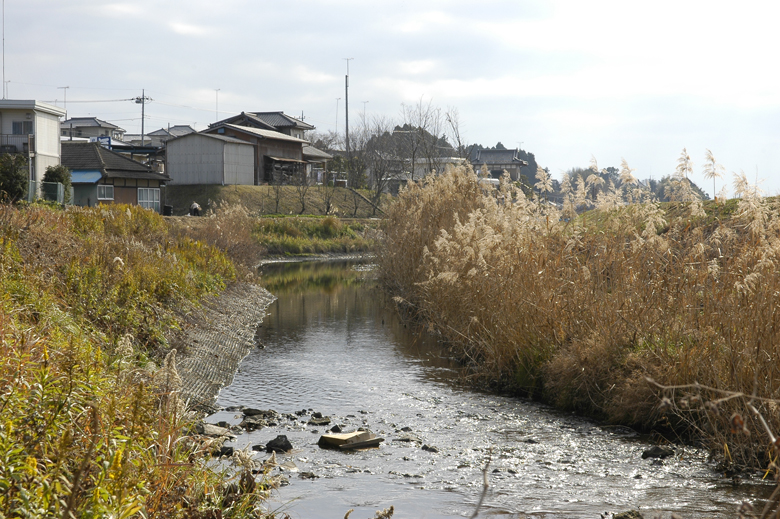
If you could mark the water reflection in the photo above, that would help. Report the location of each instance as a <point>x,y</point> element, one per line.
<point>332,344</point>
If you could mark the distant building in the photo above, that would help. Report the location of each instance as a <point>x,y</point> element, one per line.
<point>205,158</point>
<point>31,128</point>
<point>90,127</point>
<point>498,161</point>
<point>276,121</point>
<point>159,137</point>
<point>102,176</point>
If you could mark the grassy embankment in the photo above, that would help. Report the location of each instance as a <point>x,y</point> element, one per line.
<point>247,238</point>
<point>89,425</point>
<point>262,200</point>
<point>583,313</point>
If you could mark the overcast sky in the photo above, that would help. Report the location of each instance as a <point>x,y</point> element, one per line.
<point>563,79</point>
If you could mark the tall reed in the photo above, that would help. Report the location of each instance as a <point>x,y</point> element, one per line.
<point>583,311</point>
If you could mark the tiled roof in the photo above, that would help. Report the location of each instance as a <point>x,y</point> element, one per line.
<point>174,131</point>
<point>486,156</point>
<point>92,156</point>
<point>88,121</point>
<point>266,134</point>
<point>281,120</point>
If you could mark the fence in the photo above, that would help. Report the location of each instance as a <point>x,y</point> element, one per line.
<point>50,191</point>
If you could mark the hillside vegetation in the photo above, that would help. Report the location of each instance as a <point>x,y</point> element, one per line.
<point>645,315</point>
<point>90,425</point>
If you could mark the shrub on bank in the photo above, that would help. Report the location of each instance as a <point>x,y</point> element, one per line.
<point>584,311</point>
<point>89,427</point>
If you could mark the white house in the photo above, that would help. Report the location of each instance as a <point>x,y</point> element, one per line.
<point>31,128</point>
<point>207,158</point>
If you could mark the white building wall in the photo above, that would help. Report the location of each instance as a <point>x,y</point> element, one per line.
<point>195,160</point>
<point>239,164</point>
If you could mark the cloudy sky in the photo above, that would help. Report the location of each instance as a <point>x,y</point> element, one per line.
<point>563,79</point>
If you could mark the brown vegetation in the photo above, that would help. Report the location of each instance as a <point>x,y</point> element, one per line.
<point>583,312</point>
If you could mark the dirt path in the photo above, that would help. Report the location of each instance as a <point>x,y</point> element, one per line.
<point>215,338</point>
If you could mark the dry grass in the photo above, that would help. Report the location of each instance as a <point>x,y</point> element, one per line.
<point>583,311</point>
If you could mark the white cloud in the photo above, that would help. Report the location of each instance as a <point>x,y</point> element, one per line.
<point>187,29</point>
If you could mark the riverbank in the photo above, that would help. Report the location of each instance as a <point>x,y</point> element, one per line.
<point>216,337</point>
<point>90,421</point>
<point>617,318</point>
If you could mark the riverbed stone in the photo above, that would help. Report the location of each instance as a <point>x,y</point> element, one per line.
<point>631,514</point>
<point>658,451</point>
<point>279,444</point>
<point>213,431</point>
<point>430,448</point>
<point>253,423</point>
<point>319,420</point>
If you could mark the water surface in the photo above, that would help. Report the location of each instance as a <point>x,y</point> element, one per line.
<point>330,343</point>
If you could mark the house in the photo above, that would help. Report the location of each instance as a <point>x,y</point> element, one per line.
<point>207,158</point>
<point>275,121</point>
<point>102,176</point>
<point>90,127</point>
<point>278,156</point>
<point>497,161</point>
<point>31,128</point>
<point>317,162</point>
<point>159,137</point>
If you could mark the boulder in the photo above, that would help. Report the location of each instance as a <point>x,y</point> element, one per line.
<point>322,420</point>
<point>279,444</point>
<point>211,430</point>
<point>430,448</point>
<point>658,451</point>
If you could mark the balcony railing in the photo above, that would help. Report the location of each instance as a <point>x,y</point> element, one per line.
<point>16,143</point>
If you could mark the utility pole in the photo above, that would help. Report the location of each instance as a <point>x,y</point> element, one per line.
<point>216,111</point>
<point>65,93</point>
<point>346,107</point>
<point>142,101</point>
<point>337,116</point>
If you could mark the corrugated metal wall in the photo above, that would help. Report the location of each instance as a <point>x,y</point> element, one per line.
<point>195,160</point>
<point>239,164</point>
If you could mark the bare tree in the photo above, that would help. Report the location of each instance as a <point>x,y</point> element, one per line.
<point>419,137</point>
<point>302,185</point>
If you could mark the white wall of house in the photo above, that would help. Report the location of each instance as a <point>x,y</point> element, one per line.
<point>198,159</point>
<point>39,119</point>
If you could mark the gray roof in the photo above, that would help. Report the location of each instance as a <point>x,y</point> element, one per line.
<point>174,131</point>
<point>313,154</point>
<point>281,120</point>
<point>265,134</point>
<point>486,156</point>
<point>223,138</point>
<point>88,121</point>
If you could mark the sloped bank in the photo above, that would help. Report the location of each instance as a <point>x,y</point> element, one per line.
<point>215,338</point>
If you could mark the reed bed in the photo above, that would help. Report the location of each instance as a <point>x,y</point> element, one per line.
<point>90,421</point>
<point>637,314</point>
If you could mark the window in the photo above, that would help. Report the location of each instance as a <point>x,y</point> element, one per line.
<point>22,128</point>
<point>149,197</point>
<point>105,192</point>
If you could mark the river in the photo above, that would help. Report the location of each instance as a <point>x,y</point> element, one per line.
<point>331,344</point>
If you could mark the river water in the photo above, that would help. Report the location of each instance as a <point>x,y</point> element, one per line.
<point>330,343</point>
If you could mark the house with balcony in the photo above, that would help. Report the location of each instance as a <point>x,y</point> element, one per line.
<point>31,128</point>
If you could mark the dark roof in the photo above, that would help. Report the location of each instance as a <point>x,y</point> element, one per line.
<point>244,119</point>
<point>257,132</point>
<point>281,120</point>
<point>88,121</point>
<point>486,156</point>
<point>174,131</point>
<point>92,156</point>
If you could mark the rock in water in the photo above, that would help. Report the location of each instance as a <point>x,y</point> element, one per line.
<point>279,444</point>
<point>658,452</point>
